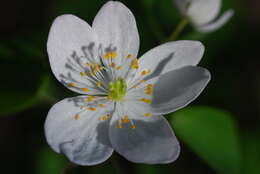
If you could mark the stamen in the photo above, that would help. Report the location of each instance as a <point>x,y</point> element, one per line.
<point>129,56</point>
<point>147,114</point>
<point>104,117</point>
<point>88,65</point>
<point>85,89</point>
<point>145,72</point>
<point>112,65</point>
<point>149,89</point>
<point>96,68</point>
<point>91,73</point>
<point>118,68</point>
<point>113,55</point>
<point>146,100</point>
<point>133,126</point>
<point>125,119</point>
<point>82,73</point>
<point>135,64</point>
<point>90,98</point>
<point>119,126</point>
<point>101,105</point>
<point>77,117</point>
<point>81,107</point>
<point>98,84</point>
<point>108,115</point>
<point>92,109</point>
<point>72,84</point>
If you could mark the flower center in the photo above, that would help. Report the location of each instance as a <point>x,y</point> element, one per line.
<point>117,89</point>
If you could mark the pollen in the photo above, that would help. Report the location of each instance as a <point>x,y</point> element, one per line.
<point>101,105</point>
<point>118,68</point>
<point>77,117</point>
<point>113,54</point>
<point>92,109</point>
<point>81,107</point>
<point>72,84</point>
<point>112,65</point>
<point>85,89</point>
<point>125,119</point>
<point>145,72</point>
<point>133,126</point>
<point>104,117</point>
<point>90,98</point>
<point>108,115</point>
<point>142,81</point>
<point>91,74</point>
<point>129,56</point>
<point>135,64</point>
<point>98,84</point>
<point>82,73</point>
<point>119,126</point>
<point>147,114</point>
<point>96,67</point>
<point>146,100</point>
<point>87,65</point>
<point>149,89</point>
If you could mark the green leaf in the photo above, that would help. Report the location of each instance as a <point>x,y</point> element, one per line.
<point>49,162</point>
<point>212,134</point>
<point>251,153</point>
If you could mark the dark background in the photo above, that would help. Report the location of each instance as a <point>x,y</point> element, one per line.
<point>28,88</point>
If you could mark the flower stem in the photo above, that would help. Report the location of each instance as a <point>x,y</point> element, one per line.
<point>184,22</point>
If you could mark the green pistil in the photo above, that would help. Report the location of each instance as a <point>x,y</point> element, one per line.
<point>117,89</point>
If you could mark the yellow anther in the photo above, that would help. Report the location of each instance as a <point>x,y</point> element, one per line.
<point>99,118</point>
<point>98,84</point>
<point>145,72</point>
<point>146,100</point>
<point>133,126</point>
<point>92,109</point>
<point>85,89</point>
<point>118,68</point>
<point>147,114</point>
<point>87,65</point>
<point>108,115</point>
<point>113,54</point>
<point>91,73</point>
<point>101,105</point>
<point>104,117</point>
<point>82,73</point>
<point>106,56</point>
<point>119,126</point>
<point>90,98</point>
<point>129,56</point>
<point>125,119</point>
<point>72,84</point>
<point>102,67</point>
<point>142,81</point>
<point>112,65</point>
<point>77,117</point>
<point>149,86</point>
<point>109,97</point>
<point>95,69</point>
<point>135,64</point>
<point>149,92</point>
<point>81,107</point>
<point>149,89</point>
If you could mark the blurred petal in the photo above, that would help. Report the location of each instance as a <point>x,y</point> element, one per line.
<point>176,89</point>
<point>69,40</point>
<point>217,23</point>
<point>170,56</point>
<point>117,31</point>
<point>199,12</point>
<point>151,142</point>
<point>80,136</point>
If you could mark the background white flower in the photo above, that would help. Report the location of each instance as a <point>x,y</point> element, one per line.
<point>122,99</point>
<point>203,14</point>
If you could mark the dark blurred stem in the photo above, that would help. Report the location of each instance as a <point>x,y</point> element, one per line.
<point>175,34</point>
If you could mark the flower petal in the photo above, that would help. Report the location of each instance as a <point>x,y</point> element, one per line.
<point>217,23</point>
<point>170,56</point>
<point>199,12</point>
<point>176,89</point>
<point>80,136</point>
<point>69,40</point>
<point>117,31</point>
<point>151,142</point>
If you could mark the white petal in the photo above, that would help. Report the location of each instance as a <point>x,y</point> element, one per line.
<point>151,142</point>
<point>176,89</point>
<point>116,28</point>
<point>170,56</point>
<point>217,23</point>
<point>199,12</point>
<point>84,141</point>
<point>69,35</point>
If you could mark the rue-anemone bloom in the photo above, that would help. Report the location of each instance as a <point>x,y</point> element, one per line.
<point>203,14</point>
<point>122,98</point>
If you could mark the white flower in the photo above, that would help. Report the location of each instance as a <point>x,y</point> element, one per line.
<point>123,98</point>
<point>203,13</point>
